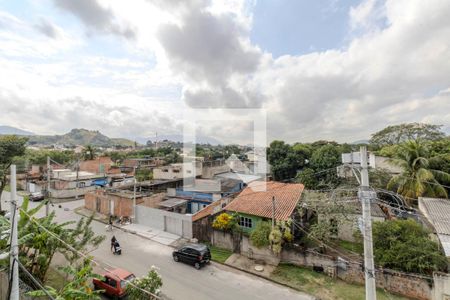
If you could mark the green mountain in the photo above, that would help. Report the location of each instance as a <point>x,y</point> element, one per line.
<point>13,130</point>
<point>79,137</point>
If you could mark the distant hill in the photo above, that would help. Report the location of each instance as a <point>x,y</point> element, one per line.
<point>79,137</point>
<point>179,138</point>
<point>13,130</point>
<point>360,142</point>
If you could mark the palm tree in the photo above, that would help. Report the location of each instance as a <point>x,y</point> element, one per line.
<point>89,152</point>
<point>417,178</point>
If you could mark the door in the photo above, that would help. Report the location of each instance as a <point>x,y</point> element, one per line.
<point>191,256</point>
<point>182,255</point>
<point>110,286</point>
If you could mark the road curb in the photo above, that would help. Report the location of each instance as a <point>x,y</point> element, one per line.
<point>76,210</point>
<point>263,277</point>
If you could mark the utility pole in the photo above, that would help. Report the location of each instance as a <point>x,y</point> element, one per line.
<point>365,195</point>
<point>76,183</point>
<point>14,248</point>
<point>134,197</point>
<point>47,205</point>
<point>273,212</point>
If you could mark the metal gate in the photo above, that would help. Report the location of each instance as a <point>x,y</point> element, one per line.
<point>171,225</point>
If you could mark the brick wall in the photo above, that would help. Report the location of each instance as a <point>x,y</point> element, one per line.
<point>99,165</point>
<point>409,285</point>
<point>153,200</point>
<point>123,206</point>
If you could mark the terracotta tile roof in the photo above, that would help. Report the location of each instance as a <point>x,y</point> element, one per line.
<point>256,199</point>
<point>207,211</point>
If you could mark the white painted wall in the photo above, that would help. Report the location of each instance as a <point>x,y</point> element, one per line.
<point>175,223</point>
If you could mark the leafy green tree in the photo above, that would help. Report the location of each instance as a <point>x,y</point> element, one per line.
<point>144,174</point>
<point>405,245</point>
<point>172,158</point>
<point>89,152</point>
<point>326,157</point>
<point>440,151</point>
<point>40,239</point>
<point>77,288</point>
<point>116,156</point>
<point>11,146</point>
<point>141,287</point>
<point>308,178</point>
<point>284,160</point>
<point>397,134</point>
<point>417,178</point>
<point>260,235</point>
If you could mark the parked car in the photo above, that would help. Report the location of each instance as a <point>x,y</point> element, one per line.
<point>37,196</point>
<point>195,254</point>
<point>114,283</point>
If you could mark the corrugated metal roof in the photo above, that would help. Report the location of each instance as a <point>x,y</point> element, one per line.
<point>445,241</point>
<point>256,199</point>
<point>172,202</point>
<point>437,211</point>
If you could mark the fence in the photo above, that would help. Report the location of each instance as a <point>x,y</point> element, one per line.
<point>409,285</point>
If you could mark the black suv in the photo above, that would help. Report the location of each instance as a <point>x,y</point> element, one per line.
<point>195,254</point>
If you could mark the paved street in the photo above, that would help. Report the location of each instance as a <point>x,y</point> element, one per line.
<point>180,281</point>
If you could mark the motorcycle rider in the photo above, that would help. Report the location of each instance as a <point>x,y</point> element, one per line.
<point>113,242</point>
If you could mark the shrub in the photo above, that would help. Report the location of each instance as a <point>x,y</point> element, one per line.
<point>404,245</point>
<point>276,240</point>
<point>260,236</point>
<point>151,283</point>
<point>223,221</point>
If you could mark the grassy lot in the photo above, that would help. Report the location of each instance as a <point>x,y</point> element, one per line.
<point>354,247</point>
<point>219,254</point>
<point>322,286</point>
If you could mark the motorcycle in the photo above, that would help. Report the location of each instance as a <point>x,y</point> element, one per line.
<point>117,249</point>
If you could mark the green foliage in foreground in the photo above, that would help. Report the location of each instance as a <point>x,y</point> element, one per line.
<point>405,245</point>
<point>260,235</point>
<point>77,288</point>
<point>143,287</point>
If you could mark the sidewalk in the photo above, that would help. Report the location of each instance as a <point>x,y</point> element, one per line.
<point>143,231</point>
<point>153,234</point>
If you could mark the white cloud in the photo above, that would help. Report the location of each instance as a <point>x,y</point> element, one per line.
<point>394,69</point>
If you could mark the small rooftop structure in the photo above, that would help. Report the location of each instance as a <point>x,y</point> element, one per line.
<point>246,178</point>
<point>69,175</point>
<point>437,212</point>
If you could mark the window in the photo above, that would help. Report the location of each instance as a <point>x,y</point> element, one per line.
<point>111,282</point>
<point>81,184</point>
<point>245,222</point>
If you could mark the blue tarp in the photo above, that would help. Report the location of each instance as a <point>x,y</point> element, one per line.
<point>100,182</point>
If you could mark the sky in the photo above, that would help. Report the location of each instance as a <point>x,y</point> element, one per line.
<point>325,69</point>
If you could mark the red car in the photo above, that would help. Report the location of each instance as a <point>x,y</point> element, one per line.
<point>114,283</point>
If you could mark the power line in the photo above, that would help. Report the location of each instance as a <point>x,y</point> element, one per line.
<point>35,281</point>
<point>87,257</point>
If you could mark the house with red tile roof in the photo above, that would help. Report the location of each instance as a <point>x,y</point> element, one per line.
<point>260,201</point>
